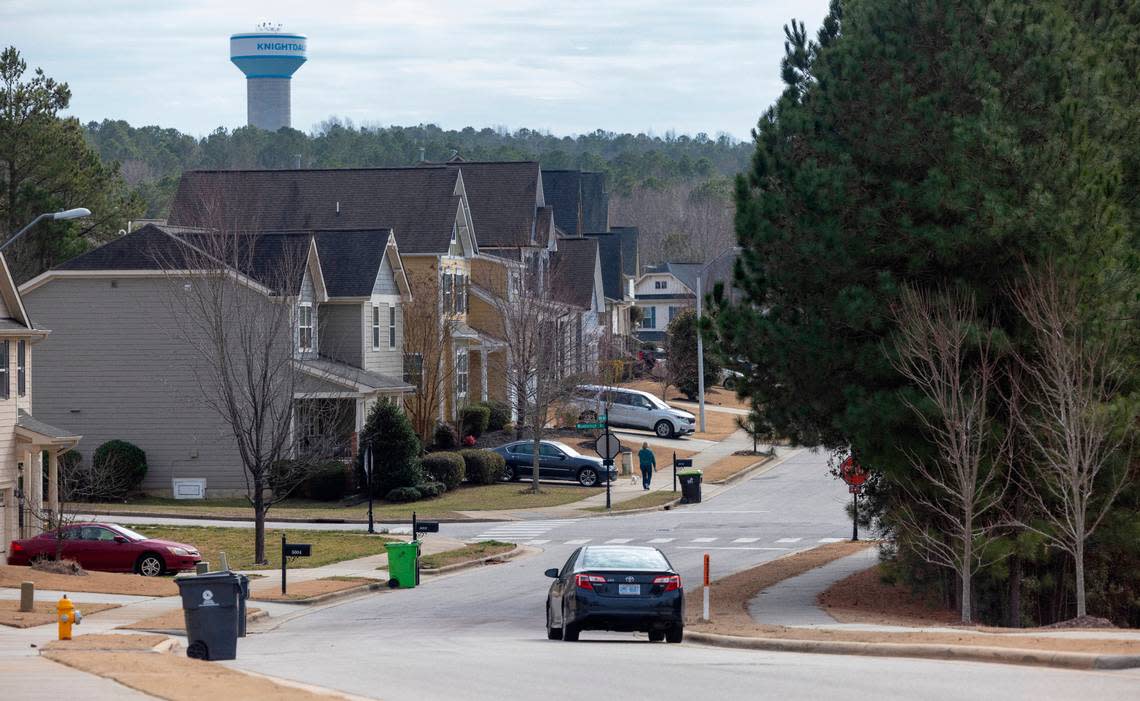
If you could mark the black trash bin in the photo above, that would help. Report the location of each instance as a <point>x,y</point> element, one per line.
<point>243,583</point>
<point>690,486</point>
<point>210,603</point>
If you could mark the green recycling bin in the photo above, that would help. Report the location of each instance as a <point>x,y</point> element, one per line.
<point>403,564</point>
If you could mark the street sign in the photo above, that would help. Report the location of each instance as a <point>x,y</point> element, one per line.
<point>852,472</point>
<point>297,549</point>
<point>854,488</point>
<point>588,426</point>
<point>607,446</point>
<point>683,462</point>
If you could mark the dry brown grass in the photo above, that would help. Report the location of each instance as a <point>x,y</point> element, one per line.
<point>730,465</point>
<point>101,582</point>
<point>718,425</point>
<point>43,612</point>
<point>307,589</point>
<point>865,598</point>
<point>174,619</point>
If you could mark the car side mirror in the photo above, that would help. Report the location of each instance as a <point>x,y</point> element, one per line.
<point>120,539</point>
<point>562,457</point>
<point>552,573</point>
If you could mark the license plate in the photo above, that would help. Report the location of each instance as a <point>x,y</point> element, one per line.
<point>633,589</point>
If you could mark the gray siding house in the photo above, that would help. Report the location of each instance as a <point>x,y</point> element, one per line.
<point>120,365</point>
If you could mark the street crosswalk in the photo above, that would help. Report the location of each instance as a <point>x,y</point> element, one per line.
<point>533,532</point>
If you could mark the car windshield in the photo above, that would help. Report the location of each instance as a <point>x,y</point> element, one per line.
<point>564,448</point>
<point>624,559</point>
<point>131,535</point>
<point>656,402</point>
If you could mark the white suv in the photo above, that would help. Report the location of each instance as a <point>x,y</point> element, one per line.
<point>633,408</point>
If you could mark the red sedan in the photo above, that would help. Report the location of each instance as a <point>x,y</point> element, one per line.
<point>106,547</point>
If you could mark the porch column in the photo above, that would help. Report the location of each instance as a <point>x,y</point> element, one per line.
<point>28,490</point>
<point>483,373</point>
<point>53,483</point>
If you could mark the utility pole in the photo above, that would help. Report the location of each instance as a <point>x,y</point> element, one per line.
<point>700,355</point>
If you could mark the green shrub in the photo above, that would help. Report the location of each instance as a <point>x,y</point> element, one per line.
<point>474,419</point>
<point>500,414</point>
<point>445,467</point>
<point>328,481</point>
<point>430,490</point>
<point>402,495</point>
<point>122,465</point>
<point>444,438</point>
<point>483,466</point>
<point>395,449</point>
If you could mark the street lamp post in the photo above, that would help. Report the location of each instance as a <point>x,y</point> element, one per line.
<point>700,336</point>
<point>77,213</point>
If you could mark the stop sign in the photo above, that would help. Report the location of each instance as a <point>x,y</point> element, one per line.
<point>852,472</point>
<point>607,446</point>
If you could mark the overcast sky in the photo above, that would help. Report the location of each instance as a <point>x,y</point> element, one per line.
<point>567,68</point>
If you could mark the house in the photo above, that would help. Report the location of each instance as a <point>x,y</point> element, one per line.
<point>580,200</point>
<point>29,447</point>
<point>576,275</point>
<point>428,209</point>
<point>617,328</point>
<point>660,294</point>
<point>124,364</point>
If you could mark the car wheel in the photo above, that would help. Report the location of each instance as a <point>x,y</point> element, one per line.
<point>587,477</point>
<point>509,474</point>
<point>663,429</point>
<point>552,633</point>
<point>730,382</point>
<point>569,630</point>
<point>656,636</point>
<point>150,565</point>
<point>675,634</point>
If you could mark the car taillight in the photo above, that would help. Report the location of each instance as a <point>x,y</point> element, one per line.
<point>15,547</point>
<point>671,582</point>
<point>587,581</point>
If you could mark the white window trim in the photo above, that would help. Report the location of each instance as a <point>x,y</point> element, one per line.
<point>312,327</point>
<point>375,326</point>
<point>391,326</point>
<point>462,371</point>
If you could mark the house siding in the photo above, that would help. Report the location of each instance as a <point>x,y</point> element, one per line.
<point>384,360</point>
<point>307,295</point>
<point>340,333</point>
<point>112,368</point>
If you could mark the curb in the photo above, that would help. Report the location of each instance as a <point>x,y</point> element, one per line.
<point>330,596</point>
<point>285,519</point>
<point>754,467</point>
<point>509,555</point>
<point>967,653</point>
<point>168,645</point>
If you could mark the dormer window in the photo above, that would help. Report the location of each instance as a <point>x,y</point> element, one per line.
<point>21,368</point>
<point>305,326</point>
<point>375,327</point>
<point>391,327</point>
<point>659,284</point>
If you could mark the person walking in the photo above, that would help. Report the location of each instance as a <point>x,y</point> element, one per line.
<point>648,462</point>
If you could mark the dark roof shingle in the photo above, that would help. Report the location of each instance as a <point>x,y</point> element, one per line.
<point>609,249</point>
<point>503,197</point>
<point>562,190</point>
<point>573,266</point>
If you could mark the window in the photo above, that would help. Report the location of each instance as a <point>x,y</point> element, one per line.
<point>305,327</point>
<point>414,369</point>
<point>548,451</point>
<point>649,320</point>
<point>460,294</point>
<point>660,284</point>
<point>375,327</point>
<point>461,374</point>
<point>448,292</point>
<point>391,327</point>
<point>523,449</point>
<point>21,368</point>
<point>4,391</point>
<point>623,559</point>
<point>673,311</point>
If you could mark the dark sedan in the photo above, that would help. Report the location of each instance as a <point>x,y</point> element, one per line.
<point>556,461</point>
<point>106,547</point>
<point>616,587</point>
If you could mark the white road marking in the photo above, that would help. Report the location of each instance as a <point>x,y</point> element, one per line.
<point>537,542</point>
<point>703,540</point>
<point>618,541</point>
<point>830,540</point>
<point>725,547</point>
<point>789,540</point>
<point>747,540</point>
<point>580,541</point>
<point>517,531</point>
<point>662,540</point>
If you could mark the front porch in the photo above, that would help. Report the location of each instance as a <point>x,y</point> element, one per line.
<point>31,502</point>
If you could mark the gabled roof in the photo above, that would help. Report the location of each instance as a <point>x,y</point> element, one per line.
<point>686,273</point>
<point>504,199</point>
<point>573,267</point>
<point>419,203</point>
<point>595,202</point>
<point>350,260</point>
<point>563,191</point>
<point>17,316</point>
<point>609,250</point>
<point>630,258</point>
<point>351,377</point>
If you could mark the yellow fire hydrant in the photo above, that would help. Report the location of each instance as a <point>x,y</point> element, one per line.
<point>68,616</point>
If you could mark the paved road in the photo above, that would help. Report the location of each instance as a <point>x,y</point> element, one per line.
<point>479,634</point>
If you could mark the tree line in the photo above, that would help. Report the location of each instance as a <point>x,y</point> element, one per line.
<point>940,272</point>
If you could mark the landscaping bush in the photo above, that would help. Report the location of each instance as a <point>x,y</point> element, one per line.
<point>402,495</point>
<point>445,467</point>
<point>327,481</point>
<point>483,466</point>
<point>499,414</point>
<point>123,466</point>
<point>474,419</point>
<point>444,438</point>
<point>395,449</point>
<point>430,490</point>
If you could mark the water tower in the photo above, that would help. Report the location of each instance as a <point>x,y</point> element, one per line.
<point>268,57</point>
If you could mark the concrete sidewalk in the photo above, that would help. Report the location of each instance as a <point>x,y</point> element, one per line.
<point>792,602</point>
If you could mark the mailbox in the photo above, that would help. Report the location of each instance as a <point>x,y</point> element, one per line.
<point>683,462</point>
<point>427,527</point>
<point>298,550</point>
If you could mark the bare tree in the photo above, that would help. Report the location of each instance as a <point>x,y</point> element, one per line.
<point>429,360</point>
<point>948,359</point>
<point>1064,414</point>
<point>233,297</point>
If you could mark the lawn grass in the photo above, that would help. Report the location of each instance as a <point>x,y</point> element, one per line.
<point>474,551</point>
<point>237,543</point>
<point>644,501</point>
<point>490,497</point>
<point>730,465</point>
